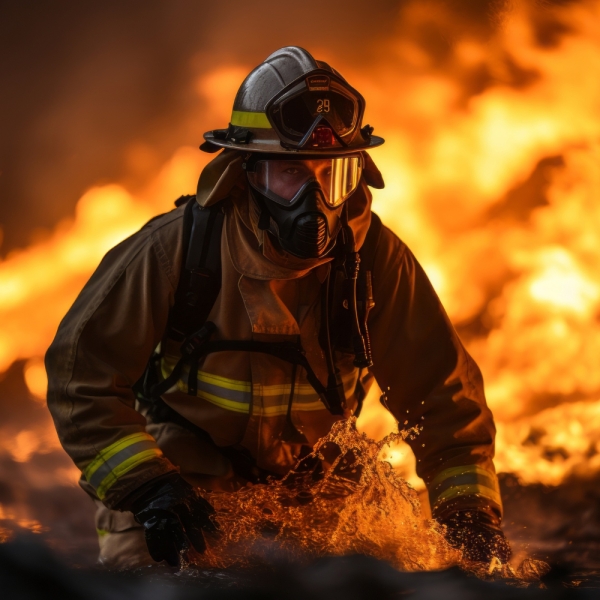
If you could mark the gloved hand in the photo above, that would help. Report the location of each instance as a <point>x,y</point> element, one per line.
<point>173,515</point>
<point>477,534</point>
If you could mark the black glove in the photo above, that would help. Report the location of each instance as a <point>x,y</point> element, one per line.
<point>477,534</point>
<point>173,515</point>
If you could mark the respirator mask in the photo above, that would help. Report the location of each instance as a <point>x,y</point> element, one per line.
<point>301,200</point>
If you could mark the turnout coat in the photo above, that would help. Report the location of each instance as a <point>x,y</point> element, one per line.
<point>104,342</point>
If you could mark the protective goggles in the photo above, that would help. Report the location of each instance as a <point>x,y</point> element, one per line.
<point>285,180</point>
<point>319,111</point>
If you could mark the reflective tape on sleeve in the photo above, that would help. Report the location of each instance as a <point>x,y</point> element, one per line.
<point>464,481</point>
<point>119,458</point>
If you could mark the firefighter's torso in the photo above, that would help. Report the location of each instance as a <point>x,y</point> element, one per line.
<point>255,400</point>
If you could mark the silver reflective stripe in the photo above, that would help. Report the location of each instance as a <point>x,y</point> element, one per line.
<point>114,461</point>
<point>223,392</point>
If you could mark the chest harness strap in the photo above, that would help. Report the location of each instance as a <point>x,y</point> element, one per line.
<point>198,290</point>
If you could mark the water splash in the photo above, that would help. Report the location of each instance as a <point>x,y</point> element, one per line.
<point>355,504</point>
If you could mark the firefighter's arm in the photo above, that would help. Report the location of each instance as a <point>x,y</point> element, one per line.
<point>430,382</point>
<point>101,349</point>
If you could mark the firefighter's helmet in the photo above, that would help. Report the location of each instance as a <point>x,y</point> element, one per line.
<point>294,104</point>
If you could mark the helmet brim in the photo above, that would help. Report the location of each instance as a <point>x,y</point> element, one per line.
<point>272,146</point>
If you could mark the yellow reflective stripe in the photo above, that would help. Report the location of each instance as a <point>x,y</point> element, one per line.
<point>466,490</point>
<point>281,409</point>
<point>125,467</point>
<point>236,395</point>
<point>217,380</point>
<point>230,384</point>
<point>267,390</point>
<point>257,120</point>
<point>463,470</point>
<point>301,389</point>
<point>278,409</point>
<point>267,411</point>
<point>113,449</point>
<point>281,389</point>
<point>239,393</point>
<point>102,532</point>
<point>464,480</point>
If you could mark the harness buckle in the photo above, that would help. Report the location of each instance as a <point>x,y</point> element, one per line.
<point>195,341</point>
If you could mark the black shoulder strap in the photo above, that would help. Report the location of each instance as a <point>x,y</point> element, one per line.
<point>200,278</point>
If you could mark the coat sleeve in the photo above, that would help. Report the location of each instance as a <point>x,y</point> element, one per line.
<point>101,349</point>
<point>430,381</point>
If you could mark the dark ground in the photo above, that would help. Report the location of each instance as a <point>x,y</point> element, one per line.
<point>28,571</point>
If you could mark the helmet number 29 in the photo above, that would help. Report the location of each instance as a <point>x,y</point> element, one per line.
<point>323,105</point>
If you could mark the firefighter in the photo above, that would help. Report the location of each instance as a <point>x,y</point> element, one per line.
<point>269,303</point>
